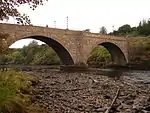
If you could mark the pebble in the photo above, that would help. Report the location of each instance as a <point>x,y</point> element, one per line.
<point>60,92</point>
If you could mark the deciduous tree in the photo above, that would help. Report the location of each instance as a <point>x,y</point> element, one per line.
<point>125,29</point>
<point>103,30</point>
<point>8,8</point>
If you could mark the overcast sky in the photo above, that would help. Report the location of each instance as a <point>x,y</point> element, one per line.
<point>88,14</point>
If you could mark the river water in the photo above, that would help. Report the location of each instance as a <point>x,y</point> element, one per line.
<point>131,76</point>
<point>92,92</point>
<point>138,76</point>
<point>134,76</point>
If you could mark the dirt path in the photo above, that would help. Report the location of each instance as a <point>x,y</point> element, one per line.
<point>60,92</point>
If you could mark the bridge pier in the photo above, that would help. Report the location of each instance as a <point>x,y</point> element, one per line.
<point>73,47</point>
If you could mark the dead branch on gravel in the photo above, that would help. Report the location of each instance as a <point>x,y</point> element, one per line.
<point>114,100</point>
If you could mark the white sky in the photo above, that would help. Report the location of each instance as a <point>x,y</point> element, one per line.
<point>87,14</point>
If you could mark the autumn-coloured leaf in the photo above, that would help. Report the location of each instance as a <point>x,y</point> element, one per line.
<point>8,8</point>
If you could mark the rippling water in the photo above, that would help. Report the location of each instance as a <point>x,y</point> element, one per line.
<point>138,76</point>
<point>133,76</point>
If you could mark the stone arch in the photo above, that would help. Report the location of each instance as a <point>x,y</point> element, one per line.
<point>117,54</point>
<point>61,51</point>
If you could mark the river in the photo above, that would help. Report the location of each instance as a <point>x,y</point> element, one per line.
<point>131,76</point>
<point>92,91</point>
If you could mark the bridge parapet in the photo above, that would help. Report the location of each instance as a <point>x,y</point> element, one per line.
<point>73,47</point>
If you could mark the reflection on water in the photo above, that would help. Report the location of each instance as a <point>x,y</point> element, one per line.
<point>134,76</point>
<point>110,73</point>
<point>138,76</point>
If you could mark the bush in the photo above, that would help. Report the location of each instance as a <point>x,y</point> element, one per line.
<point>15,91</point>
<point>100,57</point>
<point>32,54</point>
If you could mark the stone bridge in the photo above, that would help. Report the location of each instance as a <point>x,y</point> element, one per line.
<point>72,47</point>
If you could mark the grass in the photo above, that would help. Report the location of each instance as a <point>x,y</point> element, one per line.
<point>15,92</point>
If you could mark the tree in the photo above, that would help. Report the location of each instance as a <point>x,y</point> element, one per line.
<point>87,30</point>
<point>103,30</point>
<point>8,8</point>
<point>125,29</point>
<point>144,28</point>
<point>28,52</point>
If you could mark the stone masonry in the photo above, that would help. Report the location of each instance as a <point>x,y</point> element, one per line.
<point>73,47</point>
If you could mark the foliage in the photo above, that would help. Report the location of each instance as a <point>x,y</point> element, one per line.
<point>47,57</point>
<point>103,30</point>
<point>125,29</point>
<point>139,53</point>
<point>35,54</point>
<point>8,8</point>
<point>15,91</point>
<point>100,57</point>
<point>32,54</point>
<point>143,29</point>
<point>4,59</point>
<point>17,58</point>
<point>44,55</point>
<point>139,49</point>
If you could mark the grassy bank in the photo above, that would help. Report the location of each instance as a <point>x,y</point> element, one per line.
<point>16,92</point>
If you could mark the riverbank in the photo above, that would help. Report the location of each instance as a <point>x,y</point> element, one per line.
<point>16,91</point>
<point>75,92</point>
<point>90,92</point>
